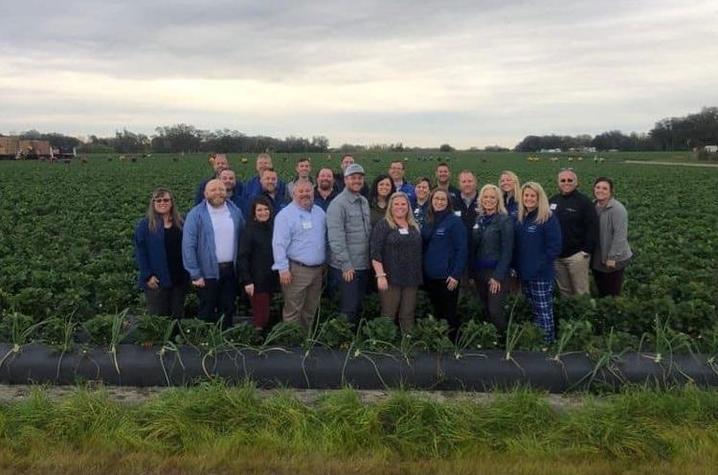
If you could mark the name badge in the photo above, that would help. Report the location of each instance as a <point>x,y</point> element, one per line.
<point>306,225</point>
<point>457,213</point>
<point>476,226</point>
<point>553,206</point>
<point>403,231</point>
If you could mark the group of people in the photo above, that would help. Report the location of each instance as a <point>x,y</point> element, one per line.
<point>333,233</point>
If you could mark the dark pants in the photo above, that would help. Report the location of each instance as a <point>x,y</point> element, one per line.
<point>166,302</point>
<point>493,303</point>
<point>609,284</point>
<point>218,298</point>
<point>260,309</point>
<point>351,294</point>
<point>444,302</point>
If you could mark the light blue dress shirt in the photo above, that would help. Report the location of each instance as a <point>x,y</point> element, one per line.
<point>299,235</point>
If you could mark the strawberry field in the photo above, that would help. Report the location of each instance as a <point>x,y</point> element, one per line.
<point>66,232</point>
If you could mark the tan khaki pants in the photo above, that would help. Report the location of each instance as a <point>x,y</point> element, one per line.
<point>301,296</point>
<point>399,302</point>
<point>572,274</point>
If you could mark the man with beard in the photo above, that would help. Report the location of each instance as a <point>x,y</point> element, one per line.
<point>253,187</point>
<point>339,176</point>
<point>325,191</point>
<point>229,180</point>
<point>299,248</point>
<point>210,237</point>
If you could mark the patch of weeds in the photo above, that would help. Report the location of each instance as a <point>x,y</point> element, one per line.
<point>432,334</point>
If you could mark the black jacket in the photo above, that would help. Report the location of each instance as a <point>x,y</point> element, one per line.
<point>579,222</point>
<point>255,258</point>
<point>467,214</point>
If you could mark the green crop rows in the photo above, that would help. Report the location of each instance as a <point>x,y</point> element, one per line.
<point>66,248</point>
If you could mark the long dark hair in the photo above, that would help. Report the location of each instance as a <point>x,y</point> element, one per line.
<point>430,214</point>
<point>374,192</point>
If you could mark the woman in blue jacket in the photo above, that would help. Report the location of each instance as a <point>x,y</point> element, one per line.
<point>445,251</point>
<point>538,244</point>
<point>158,252</point>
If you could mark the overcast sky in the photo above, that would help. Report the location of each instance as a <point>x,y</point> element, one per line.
<point>478,72</point>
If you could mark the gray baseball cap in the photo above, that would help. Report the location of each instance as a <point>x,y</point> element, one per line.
<point>353,169</point>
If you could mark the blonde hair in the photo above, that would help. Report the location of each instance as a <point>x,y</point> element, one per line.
<point>516,192</point>
<point>409,215</point>
<point>544,212</point>
<point>500,208</point>
<point>153,218</point>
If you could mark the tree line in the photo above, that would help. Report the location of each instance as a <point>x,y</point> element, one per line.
<point>674,133</point>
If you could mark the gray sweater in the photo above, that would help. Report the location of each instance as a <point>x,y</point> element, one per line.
<point>349,230</point>
<point>612,236</point>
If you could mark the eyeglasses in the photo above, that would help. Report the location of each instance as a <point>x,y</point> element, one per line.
<point>566,180</point>
<point>162,200</point>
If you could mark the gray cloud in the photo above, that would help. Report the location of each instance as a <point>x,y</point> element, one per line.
<point>468,72</point>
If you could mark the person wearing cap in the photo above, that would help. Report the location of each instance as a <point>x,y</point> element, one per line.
<point>339,176</point>
<point>349,231</point>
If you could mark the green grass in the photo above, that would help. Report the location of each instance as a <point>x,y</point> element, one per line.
<point>216,428</point>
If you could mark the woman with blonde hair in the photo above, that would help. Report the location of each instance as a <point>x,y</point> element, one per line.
<point>538,244</point>
<point>158,253</point>
<point>510,192</point>
<point>490,254</point>
<point>395,250</point>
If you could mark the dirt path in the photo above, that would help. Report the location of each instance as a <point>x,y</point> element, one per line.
<point>680,164</point>
<point>136,395</point>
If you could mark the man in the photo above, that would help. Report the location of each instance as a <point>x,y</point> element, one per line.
<point>579,230</point>
<point>324,192</point>
<point>349,229</point>
<point>299,248</point>
<point>443,180</point>
<point>253,186</point>
<point>210,236</point>
<point>465,203</point>
<point>269,186</point>
<point>229,180</point>
<point>303,170</point>
<point>396,172</point>
<point>339,176</point>
<point>219,163</point>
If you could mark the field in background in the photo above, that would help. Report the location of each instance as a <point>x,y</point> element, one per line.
<point>66,230</point>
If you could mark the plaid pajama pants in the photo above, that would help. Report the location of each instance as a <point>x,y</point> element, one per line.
<point>539,293</point>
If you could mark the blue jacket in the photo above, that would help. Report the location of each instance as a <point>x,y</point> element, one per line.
<point>445,247</point>
<point>536,247</point>
<point>198,253</point>
<point>253,188</point>
<point>150,254</point>
<point>408,188</point>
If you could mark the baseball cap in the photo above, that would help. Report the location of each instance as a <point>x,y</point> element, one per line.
<point>353,169</point>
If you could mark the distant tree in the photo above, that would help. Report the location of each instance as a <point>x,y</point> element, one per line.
<point>495,148</point>
<point>446,148</point>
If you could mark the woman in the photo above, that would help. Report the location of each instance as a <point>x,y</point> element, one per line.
<point>445,251</point>
<point>381,190</point>
<point>254,261</point>
<point>491,252</point>
<point>538,244</point>
<point>421,202</point>
<point>158,253</point>
<point>395,248</point>
<point>613,252</point>
<point>510,190</point>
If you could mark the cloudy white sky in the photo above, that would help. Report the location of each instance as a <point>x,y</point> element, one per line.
<point>468,73</point>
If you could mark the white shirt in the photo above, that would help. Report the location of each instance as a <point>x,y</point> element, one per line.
<point>223,228</point>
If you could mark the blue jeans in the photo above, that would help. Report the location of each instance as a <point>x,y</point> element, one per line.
<point>351,293</point>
